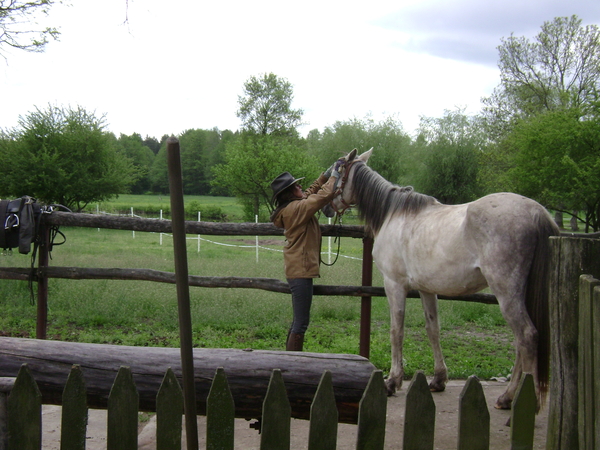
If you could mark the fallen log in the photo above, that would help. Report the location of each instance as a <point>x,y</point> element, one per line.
<point>248,373</point>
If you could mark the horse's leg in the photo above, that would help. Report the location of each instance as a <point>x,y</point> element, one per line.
<point>396,295</point>
<point>526,338</point>
<point>432,325</point>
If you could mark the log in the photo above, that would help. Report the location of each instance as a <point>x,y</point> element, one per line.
<point>267,284</point>
<point>59,218</point>
<point>248,372</point>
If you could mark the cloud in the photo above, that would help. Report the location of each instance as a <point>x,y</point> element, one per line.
<point>471,30</point>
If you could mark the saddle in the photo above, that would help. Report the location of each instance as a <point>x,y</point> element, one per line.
<point>19,221</point>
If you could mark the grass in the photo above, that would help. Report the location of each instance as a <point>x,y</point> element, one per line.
<point>475,338</point>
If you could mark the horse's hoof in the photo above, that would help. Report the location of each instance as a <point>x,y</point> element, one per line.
<point>503,403</point>
<point>437,387</point>
<point>390,386</point>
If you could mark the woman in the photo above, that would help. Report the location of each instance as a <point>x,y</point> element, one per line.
<point>295,213</point>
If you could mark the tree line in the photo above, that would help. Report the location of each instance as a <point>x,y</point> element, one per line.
<point>538,134</point>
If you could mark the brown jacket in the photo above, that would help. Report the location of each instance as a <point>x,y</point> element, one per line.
<point>301,254</point>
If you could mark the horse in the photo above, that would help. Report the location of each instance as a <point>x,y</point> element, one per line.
<point>499,241</point>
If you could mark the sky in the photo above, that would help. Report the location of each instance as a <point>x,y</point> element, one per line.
<point>154,69</point>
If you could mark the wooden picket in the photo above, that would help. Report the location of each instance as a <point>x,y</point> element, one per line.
<point>74,412</point>
<point>473,417</point>
<point>322,433</point>
<point>24,414</point>
<point>419,420</point>
<point>169,409</point>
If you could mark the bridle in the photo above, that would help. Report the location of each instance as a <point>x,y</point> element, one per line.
<point>339,187</point>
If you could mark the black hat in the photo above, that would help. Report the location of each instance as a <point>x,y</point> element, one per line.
<point>282,182</point>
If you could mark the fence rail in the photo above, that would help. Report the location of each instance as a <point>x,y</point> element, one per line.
<point>23,414</point>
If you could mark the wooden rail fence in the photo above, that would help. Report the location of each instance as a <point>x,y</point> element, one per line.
<point>22,429</point>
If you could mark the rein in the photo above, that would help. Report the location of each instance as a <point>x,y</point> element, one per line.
<point>339,213</point>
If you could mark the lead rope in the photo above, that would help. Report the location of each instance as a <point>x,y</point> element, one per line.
<point>338,238</point>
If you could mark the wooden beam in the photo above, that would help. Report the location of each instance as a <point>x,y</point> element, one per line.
<point>248,372</point>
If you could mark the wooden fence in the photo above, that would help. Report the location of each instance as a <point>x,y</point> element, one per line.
<point>21,428</point>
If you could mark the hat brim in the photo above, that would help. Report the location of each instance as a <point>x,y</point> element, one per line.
<point>285,187</point>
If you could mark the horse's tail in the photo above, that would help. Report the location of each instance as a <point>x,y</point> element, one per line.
<point>537,298</point>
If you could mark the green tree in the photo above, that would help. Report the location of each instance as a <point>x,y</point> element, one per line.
<point>449,148</point>
<point>392,146</point>
<point>142,158</point>
<point>267,145</point>
<point>559,69</point>
<point>16,19</point>
<point>253,161</point>
<point>557,162</point>
<point>266,106</point>
<point>62,155</point>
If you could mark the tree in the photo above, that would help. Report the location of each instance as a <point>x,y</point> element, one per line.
<point>265,108</point>
<point>557,162</point>
<point>253,161</point>
<point>392,146</point>
<point>141,156</point>
<point>15,19</point>
<point>62,155</point>
<point>449,148</point>
<point>560,69</point>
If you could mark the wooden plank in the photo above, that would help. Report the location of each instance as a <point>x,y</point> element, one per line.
<point>276,422</point>
<point>569,258</point>
<point>372,414</point>
<point>220,414</point>
<point>419,418</point>
<point>586,362</point>
<point>24,409</point>
<point>322,433</point>
<point>121,433</point>
<point>74,417</point>
<point>522,417</point>
<point>191,227</point>
<point>169,411</point>
<point>248,373</point>
<point>596,359</point>
<point>473,417</point>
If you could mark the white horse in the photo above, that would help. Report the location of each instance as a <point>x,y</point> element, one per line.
<point>500,241</point>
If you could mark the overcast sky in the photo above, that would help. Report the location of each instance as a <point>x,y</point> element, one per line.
<point>182,66</point>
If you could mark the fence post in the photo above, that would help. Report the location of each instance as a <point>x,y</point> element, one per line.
<point>42,280</point>
<point>569,258</point>
<point>365,303</point>
<point>183,292</point>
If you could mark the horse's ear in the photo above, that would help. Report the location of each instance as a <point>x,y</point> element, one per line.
<point>366,155</point>
<point>351,155</point>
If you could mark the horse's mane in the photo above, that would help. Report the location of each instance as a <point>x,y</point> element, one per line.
<point>377,198</point>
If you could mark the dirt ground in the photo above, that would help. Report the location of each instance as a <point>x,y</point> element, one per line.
<point>446,427</point>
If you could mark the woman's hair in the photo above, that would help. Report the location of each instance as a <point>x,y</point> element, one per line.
<point>285,196</point>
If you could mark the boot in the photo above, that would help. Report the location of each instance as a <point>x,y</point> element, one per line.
<point>295,342</point>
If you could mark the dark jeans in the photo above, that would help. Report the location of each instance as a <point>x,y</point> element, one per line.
<point>302,293</point>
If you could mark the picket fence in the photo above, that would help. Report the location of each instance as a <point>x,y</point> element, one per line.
<point>22,428</point>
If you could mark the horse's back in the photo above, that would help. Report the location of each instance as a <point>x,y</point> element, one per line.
<point>506,216</point>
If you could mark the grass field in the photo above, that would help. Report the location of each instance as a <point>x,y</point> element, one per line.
<point>475,338</point>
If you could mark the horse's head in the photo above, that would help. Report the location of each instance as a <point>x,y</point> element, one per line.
<point>343,198</point>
